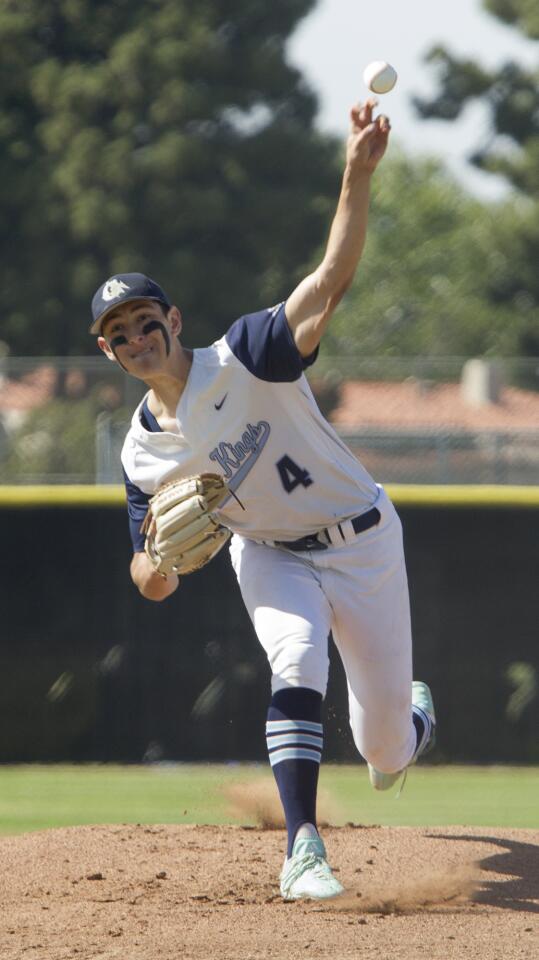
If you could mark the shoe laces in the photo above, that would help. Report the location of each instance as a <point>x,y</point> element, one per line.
<point>299,865</point>
<point>402,783</point>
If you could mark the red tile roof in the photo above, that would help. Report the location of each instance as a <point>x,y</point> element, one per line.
<point>412,405</point>
<point>32,390</point>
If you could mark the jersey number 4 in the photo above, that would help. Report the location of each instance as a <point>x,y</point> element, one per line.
<point>291,475</point>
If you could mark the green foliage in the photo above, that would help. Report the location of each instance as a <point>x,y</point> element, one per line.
<point>512,97</point>
<point>174,138</point>
<point>153,135</point>
<point>523,14</point>
<point>432,280</point>
<point>511,149</point>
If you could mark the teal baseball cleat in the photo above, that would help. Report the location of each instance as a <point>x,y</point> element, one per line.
<point>422,704</point>
<point>307,874</point>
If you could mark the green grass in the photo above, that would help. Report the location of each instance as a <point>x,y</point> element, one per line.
<point>40,797</point>
<point>494,796</point>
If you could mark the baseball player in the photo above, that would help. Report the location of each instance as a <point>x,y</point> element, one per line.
<point>316,545</point>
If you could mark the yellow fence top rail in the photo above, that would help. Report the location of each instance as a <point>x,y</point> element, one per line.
<point>463,495</point>
<point>413,495</point>
<point>60,495</point>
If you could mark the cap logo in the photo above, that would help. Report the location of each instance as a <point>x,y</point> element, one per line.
<point>113,288</point>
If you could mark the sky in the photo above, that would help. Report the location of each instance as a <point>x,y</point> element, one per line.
<point>339,38</point>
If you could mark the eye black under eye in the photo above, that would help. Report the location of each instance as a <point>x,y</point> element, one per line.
<point>153,324</point>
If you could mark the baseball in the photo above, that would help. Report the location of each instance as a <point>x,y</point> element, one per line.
<point>380,77</point>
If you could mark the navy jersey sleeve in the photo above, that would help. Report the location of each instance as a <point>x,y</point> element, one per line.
<point>264,343</point>
<point>137,507</point>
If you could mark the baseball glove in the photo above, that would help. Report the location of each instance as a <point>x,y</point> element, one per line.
<point>181,533</point>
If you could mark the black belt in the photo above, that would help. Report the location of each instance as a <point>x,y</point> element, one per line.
<point>311,542</point>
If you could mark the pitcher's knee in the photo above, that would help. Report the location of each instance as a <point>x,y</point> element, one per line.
<point>388,756</point>
<point>308,668</point>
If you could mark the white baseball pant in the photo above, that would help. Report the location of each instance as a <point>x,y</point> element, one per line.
<point>359,591</point>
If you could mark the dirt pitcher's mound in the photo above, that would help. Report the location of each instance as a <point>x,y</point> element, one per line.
<point>186,892</point>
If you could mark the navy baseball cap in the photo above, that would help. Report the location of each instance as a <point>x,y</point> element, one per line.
<point>121,288</point>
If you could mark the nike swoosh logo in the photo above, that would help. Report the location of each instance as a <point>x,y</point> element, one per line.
<point>219,405</point>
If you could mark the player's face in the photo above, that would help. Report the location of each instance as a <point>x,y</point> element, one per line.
<point>139,337</point>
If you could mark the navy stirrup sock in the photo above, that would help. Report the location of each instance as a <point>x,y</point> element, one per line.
<point>423,728</point>
<point>294,736</point>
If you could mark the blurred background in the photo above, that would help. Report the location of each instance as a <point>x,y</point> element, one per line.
<point>203,144</point>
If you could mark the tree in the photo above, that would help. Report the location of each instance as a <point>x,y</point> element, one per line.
<point>158,135</point>
<point>421,285</point>
<point>511,148</point>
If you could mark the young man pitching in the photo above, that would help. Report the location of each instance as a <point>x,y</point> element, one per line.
<point>316,545</point>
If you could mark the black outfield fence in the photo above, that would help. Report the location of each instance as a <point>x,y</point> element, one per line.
<point>91,671</point>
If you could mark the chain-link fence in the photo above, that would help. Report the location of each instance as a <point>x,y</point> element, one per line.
<point>63,419</point>
<point>410,420</point>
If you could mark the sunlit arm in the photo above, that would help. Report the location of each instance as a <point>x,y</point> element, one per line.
<point>150,584</point>
<point>312,303</point>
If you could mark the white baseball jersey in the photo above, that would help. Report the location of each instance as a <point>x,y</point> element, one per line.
<point>248,413</point>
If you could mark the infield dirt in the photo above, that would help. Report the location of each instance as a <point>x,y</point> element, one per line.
<point>198,893</point>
